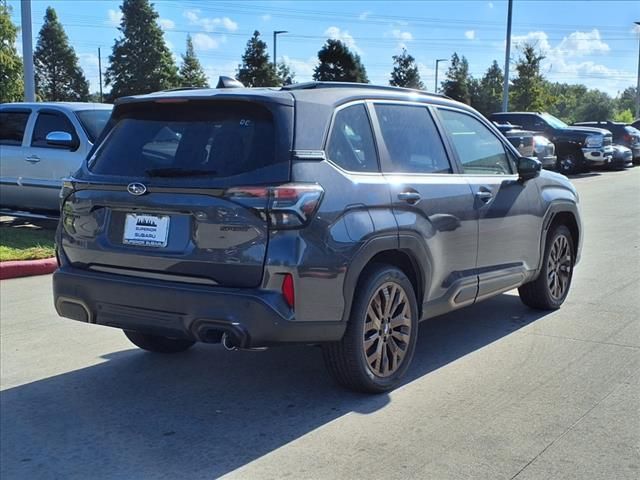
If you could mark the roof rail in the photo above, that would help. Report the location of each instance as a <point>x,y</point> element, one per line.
<point>369,86</point>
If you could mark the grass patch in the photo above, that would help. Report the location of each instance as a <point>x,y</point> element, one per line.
<point>25,243</point>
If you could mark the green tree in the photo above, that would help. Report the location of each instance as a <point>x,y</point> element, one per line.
<point>140,61</point>
<point>255,69</point>
<point>286,74</point>
<point>59,78</point>
<point>627,100</point>
<point>625,116</point>
<point>564,100</point>
<point>488,99</point>
<point>405,72</point>
<point>595,106</point>
<point>339,64</point>
<point>11,87</point>
<point>528,90</point>
<point>456,84</point>
<point>191,72</point>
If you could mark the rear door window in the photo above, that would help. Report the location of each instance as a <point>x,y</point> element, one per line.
<point>172,141</point>
<point>412,140</point>
<point>351,143</point>
<point>48,122</point>
<point>12,127</point>
<point>479,150</point>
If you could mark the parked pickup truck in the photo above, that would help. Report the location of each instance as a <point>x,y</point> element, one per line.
<point>577,148</point>
<point>530,145</point>
<point>40,144</point>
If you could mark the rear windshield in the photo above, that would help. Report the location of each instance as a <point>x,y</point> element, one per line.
<point>93,122</point>
<point>186,141</point>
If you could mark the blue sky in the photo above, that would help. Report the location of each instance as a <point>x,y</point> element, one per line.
<point>589,42</point>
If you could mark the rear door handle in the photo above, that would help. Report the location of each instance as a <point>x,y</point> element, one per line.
<point>409,197</point>
<point>484,196</point>
<point>32,159</point>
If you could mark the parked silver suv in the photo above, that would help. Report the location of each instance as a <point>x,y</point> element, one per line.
<point>40,144</point>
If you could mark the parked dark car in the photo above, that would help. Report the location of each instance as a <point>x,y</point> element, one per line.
<point>622,157</point>
<point>578,148</point>
<point>623,134</point>
<point>325,213</point>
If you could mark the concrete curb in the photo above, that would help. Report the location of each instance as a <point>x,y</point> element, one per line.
<point>25,268</point>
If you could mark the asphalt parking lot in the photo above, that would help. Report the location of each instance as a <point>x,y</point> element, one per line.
<point>496,390</point>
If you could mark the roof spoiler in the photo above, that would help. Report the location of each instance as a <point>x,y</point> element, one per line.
<point>228,82</point>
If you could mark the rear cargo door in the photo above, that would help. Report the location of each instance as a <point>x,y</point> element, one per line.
<point>180,192</point>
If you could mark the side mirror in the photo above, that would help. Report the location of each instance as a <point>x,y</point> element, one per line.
<point>60,139</point>
<point>528,168</point>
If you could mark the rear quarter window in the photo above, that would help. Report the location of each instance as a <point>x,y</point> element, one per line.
<point>12,127</point>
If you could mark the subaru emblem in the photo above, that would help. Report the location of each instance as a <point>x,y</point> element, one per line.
<point>136,189</point>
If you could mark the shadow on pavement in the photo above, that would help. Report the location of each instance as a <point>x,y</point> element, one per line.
<point>205,412</point>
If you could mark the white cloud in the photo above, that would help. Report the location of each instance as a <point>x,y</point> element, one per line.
<point>364,15</point>
<point>490,4</point>
<point>303,69</point>
<point>561,64</point>
<point>470,34</point>
<point>335,33</point>
<point>166,23</point>
<point>400,35</point>
<point>115,16</point>
<point>209,24</point>
<point>539,39</point>
<point>229,24</point>
<point>266,18</point>
<point>579,44</point>
<point>202,41</point>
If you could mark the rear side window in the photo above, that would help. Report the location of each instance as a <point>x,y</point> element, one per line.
<point>12,126</point>
<point>412,140</point>
<point>351,142</point>
<point>479,150</point>
<point>222,140</point>
<point>48,122</point>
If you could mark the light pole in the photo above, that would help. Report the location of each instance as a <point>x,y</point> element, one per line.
<point>275,41</point>
<point>638,84</point>
<point>436,82</point>
<point>507,54</point>
<point>27,51</point>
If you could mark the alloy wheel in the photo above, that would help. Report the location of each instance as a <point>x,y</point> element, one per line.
<point>387,329</point>
<point>559,265</point>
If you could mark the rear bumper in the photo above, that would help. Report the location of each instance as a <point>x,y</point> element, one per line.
<point>251,317</point>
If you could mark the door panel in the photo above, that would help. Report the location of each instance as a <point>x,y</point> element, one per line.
<point>45,166</point>
<point>13,130</point>
<point>506,209</point>
<point>432,206</point>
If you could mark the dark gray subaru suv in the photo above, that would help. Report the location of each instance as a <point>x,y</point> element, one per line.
<point>324,213</point>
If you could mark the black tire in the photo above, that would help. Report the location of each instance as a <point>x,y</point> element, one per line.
<point>543,293</point>
<point>157,343</point>
<point>570,163</point>
<point>347,360</point>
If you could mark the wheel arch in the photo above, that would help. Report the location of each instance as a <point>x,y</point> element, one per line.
<point>387,251</point>
<point>561,213</point>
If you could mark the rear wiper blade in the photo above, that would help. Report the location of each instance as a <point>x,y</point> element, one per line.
<point>177,172</point>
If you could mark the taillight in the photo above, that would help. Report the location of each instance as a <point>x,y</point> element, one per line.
<point>288,290</point>
<point>291,205</point>
<point>627,138</point>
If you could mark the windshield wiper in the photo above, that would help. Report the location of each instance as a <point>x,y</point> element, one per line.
<point>178,172</point>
